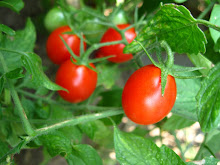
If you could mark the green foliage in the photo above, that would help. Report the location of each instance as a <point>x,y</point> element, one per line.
<point>108,74</point>
<point>131,149</point>
<point>23,41</point>
<point>215,19</point>
<point>176,26</point>
<point>15,5</point>
<point>207,101</point>
<point>83,154</point>
<point>33,64</point>
<point>177,122</point>
<point>186,104</point>
<point>7,30</point>
<point>57,144</point>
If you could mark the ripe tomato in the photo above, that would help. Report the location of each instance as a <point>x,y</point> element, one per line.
<point>117,50</point>
<point>54,19</point>
<point>56,50</point>
<point>79,80</point>
<point>141,98</point>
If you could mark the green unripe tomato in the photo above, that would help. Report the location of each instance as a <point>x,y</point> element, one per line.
<point>120,18</point>
<point>93,31</point>
<point>54,19</point>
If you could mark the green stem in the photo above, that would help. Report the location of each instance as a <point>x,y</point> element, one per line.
<point>207,9</point>
<point>201,61</point>
<point>149,56</point>
<point>78,120</point>
<point>27,126</point>
<point>208,24</point>
<point>97,46</point>
<point>170,58</point>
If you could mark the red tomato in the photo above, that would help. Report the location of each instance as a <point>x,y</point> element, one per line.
<point>79,80</point>
<point>117,50</point>
<point>56,50</point>
<point>141,98</point>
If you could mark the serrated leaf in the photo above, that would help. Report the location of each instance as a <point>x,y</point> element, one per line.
<point>7,30</point>
<point>15,5</point>
<point>187,90</point>
<point>215,19</point>
<point>176,122</point>
<point>33,64</point>
<point>84,155</point>
<point>57,144</point>
<point>131,149</point>
<point>176,26</point>
<point>15,74</point>
<point>208,101</point>
<point>23,41</point>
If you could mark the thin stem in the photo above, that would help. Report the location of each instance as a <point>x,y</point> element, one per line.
<point>170,58</point>
<point>178,145</point>
<point>97,46</point>
<point>207,9</point>
<point>208,24</point>
<point>149,56</point>
<point>81,119</point>
<point>27,126</point>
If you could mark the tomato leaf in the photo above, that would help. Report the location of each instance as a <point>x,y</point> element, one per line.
<point>84,154</point>
<point>131,149</point>
<point>176,26</point>
<point>23,40</point>
<point>208,101</point>
<point>7,30</point>
<point>215,19</point>
<point>33,64</point>
<point>187,90</point>
<point>176,122</point>
<point>108,74</point>
<point>15,74</point>
<point>57,144</point>
<point>15,5</point>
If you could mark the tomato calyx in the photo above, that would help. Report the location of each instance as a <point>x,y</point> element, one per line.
<point>167,67</point>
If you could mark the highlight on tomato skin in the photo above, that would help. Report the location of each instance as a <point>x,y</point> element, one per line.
<point>56,50</point>
<point>141,98</point>
<point>79,80</point>
<point>117,49</point>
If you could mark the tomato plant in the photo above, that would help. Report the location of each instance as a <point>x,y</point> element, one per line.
<point>80,112</point>
<point>79,80</point>
<point>117,49</point>
<point>56,50</point>
<point>54,19</point>
<point>142,100</point>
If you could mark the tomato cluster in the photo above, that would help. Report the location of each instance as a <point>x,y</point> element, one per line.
<point>79,79</point>
<point>142,99</point>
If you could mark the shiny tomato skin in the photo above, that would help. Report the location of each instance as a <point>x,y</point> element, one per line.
<point>141,98</point>
<point>56,50</point>
<point>79,80</point>
<point>117,49</point>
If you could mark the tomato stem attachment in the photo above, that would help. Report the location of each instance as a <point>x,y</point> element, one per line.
<point>170,58</point>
